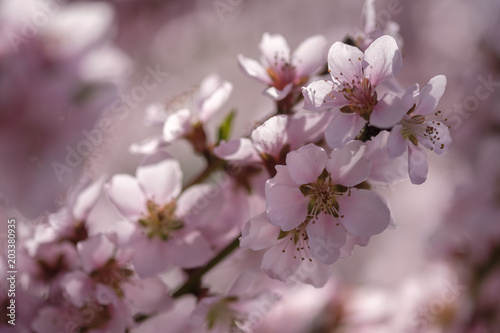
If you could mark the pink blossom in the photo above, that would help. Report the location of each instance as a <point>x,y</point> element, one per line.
<point>313,204</point>
<point>186,121</point>
<point>355,76</point>
<point>421,126</point>
<point>154,228</point>
<point>104,267</point>
<point>283,71</point>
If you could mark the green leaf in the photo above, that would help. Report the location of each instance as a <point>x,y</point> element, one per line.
<point>225,127</point>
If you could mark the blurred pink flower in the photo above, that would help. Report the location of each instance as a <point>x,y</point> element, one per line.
<point>154,227</point>
<point>186,122</point>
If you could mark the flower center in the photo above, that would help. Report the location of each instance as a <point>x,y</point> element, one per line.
<point>417,128</point>
<point>361,96</point>
<point>111,274</point>
<point>160,222</point>
<point>323,196</point>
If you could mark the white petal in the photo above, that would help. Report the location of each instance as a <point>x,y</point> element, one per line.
<point>384,60</point>
<point>430,95</point>
<point>270,137</point>
<point>310,56</point>
<point>345,62</point>
<point>320,95</point>
<point>126,194</point>
<point>274,49</point>
<point>277,94</point>
<point>177,125</point>
<point>254,69</point>
<point>213,93</point>
<point>160,177</point>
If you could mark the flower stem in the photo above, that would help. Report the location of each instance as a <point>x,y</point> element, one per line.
<point>193,284</point>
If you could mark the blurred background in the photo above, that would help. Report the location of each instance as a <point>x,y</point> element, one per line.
<point>68,68</point>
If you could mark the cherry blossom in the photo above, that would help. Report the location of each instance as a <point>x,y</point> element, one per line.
<point>421,125</point>
<point>154,227</point>
<point>186,122</point>
<point>283,71</point>
<point>314,202</point>
<point>352,91</point>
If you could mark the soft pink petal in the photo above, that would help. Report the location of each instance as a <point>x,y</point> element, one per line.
<point>200,204</point>
<point>385,170</point>
<point>126,194</point>
<point>213,93</point>
<point>309,127</point>
<point>365,213</point>
<point>274,49</point>
<point>320,95</point>
<point>270,137</point>
<point>430,95</point>
<point>417,164</point>
<point>258,233</point>
<point>87,199</point>
<point>310,56</point>
<point>177,125</point>
<point>410,97</point>
<point>192,251</point>
<point>280,265</point>
<point>281,178</point>
<point>160,177</point>
<point>306,163</point>
<point>314,273</point>
<point>342,129</point>
<point>95,252</point>
<point>348,165</point>
<point>326,237</point>
<point>147,296</point>
<point>352,241</point>
<point>148,146</point>
<point>77,286</point>
<point>384,60</point>
<point>151,256</point>
<point>254,69</point>
<point>277,94</point>
<point>237,150</point>
<point>396,144</point>
<point>286,207</point>
<point>345,62</point>
<point>388,111</point>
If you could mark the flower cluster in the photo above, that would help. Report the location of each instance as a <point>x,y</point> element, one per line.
<point>270,210</point>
